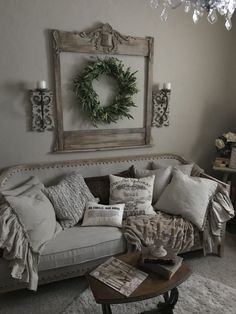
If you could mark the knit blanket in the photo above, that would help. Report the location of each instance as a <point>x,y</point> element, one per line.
<point>178,233</point>
<point>173,231</point>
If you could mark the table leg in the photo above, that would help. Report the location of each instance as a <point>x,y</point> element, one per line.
<point>106,309</point>
<point>166,307</point>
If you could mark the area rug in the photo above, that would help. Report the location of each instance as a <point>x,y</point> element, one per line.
<point>196,295</point>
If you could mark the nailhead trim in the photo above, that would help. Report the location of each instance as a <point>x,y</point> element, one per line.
<point>7,174</point>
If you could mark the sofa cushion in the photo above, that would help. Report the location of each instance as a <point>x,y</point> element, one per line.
<point>135,193</point>
<point>103,215</point>
<point>100,186</point>
<point>81,244</point>
<point>162,178</point>
<point>34,211</point>
<point>186,169</point>
<point>69,198</point>
<point>188,197</point>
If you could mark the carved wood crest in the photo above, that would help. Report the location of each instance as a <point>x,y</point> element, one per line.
<point>105,38</point>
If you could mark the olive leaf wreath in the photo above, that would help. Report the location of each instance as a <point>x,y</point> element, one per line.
<point>89,99</point>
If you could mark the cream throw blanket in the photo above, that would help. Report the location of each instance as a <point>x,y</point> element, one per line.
<point>27,223</point>
<point>220,211</point>
<point>16,247</point>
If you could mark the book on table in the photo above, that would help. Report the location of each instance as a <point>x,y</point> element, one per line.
<point>119,275</point>
<point>165,271</point>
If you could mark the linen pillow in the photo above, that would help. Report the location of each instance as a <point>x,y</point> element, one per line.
<point>103,215</point>
<point>162,178</point>
<point>69,198</point>
<point>188,197</point>
<point>34,210</point>
<point>100,186</point>
<point>135,193</point>
<point>186,169</point>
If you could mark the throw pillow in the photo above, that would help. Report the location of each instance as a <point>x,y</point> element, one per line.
<point>162,178</point>
<point>103,215</point>
<point>188,197</point>
<point>186,169</point>
<point>69,198</point>
<point>135,193</point>
<point>100,186</point>
<point>34,210</point>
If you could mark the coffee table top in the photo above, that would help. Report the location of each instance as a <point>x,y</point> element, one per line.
<point>151,287</point>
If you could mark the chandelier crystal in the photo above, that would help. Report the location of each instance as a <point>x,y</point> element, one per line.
<point>199,8</point>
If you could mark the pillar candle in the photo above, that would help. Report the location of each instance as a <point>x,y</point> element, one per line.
<point>167,86</point>
<point>41,84</point>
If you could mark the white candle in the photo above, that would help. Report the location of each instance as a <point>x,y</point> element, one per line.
<point>167,86</point>
<point>41,84</point>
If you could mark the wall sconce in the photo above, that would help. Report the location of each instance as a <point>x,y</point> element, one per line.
<point>41,100</point>
<point>160,105</point>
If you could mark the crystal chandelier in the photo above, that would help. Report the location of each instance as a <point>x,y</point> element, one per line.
<point>199,7</point>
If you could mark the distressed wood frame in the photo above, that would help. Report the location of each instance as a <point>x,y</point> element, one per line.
<point>99,41</point>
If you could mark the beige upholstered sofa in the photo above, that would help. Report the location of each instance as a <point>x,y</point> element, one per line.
<point>76,250</point>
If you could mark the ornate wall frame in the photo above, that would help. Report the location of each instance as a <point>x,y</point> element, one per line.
<point>103,39</point>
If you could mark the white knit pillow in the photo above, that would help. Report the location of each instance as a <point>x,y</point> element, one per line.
<point>69,198</point>
<point>188,197</point>
<point>135,193</point>
<point>103,215</point>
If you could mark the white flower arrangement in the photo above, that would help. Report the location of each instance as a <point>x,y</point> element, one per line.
<point>224,143</point>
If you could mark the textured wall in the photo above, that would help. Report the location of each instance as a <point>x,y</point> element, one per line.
<point>196,59</point>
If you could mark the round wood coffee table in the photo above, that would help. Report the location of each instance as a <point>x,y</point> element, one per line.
<point>151,287</point>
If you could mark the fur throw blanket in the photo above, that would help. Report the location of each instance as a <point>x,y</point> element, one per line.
<point>173,231</point>
<point>178,233</point>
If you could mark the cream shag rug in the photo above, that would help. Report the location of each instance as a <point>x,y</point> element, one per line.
<point>196,295</point>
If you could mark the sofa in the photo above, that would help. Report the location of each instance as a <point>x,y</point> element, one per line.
<point>75,251</point>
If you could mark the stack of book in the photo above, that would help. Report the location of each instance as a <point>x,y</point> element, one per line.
<point>165,266</point>
<point>221,162</point>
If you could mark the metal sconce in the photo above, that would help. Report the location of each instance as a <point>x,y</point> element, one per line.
<point>160,106</point>
<point>41,100</point>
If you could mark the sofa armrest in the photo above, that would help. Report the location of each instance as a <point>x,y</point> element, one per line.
<point>207,176</point>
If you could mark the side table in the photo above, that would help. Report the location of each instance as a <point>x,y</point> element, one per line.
<point>226,172</point>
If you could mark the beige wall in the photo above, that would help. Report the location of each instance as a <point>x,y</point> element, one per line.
<point>196,59</point>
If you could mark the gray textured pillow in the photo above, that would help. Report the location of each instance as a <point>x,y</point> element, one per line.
<point>186,169</point>
<point>162,178</point>
<point>188,197</point>
<point>135,193</point>
<point>69,198</point>
<point>34,211</point>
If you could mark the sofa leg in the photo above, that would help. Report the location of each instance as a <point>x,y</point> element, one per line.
<point>220,250</point>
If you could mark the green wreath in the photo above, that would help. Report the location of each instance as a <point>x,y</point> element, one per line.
<point>89,99</point>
